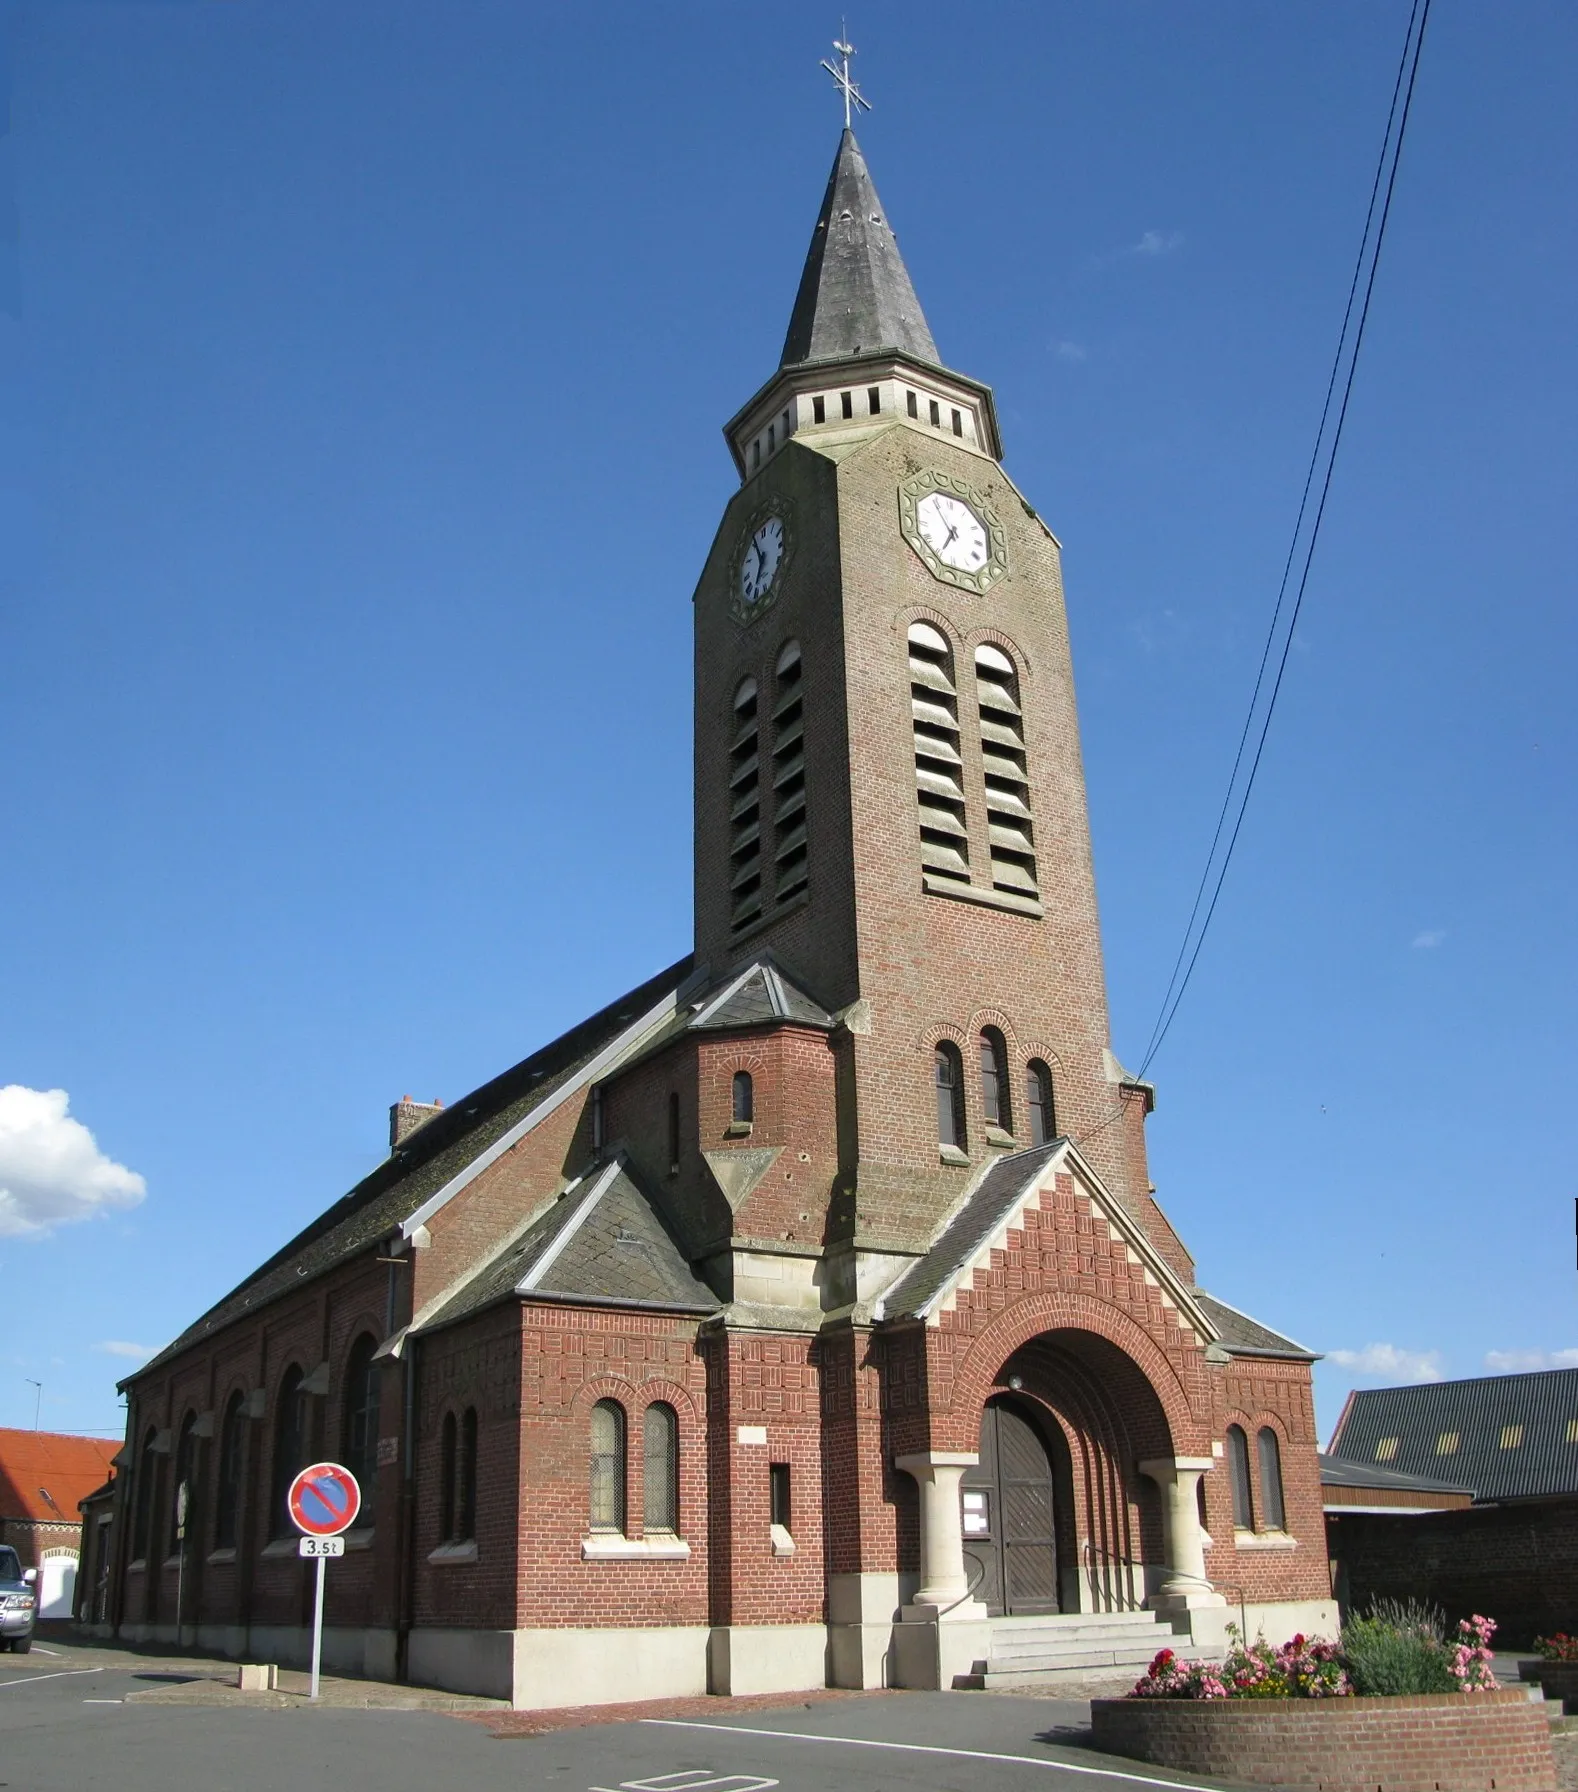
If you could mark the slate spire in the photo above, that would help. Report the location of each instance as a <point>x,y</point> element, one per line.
<point>855,294</point>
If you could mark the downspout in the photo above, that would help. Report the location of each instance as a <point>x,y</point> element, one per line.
<point>407,1593</point>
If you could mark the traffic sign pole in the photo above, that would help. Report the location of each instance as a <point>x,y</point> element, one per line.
<point>317,1630</point>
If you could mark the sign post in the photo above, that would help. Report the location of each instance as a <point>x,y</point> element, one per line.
<point>323,1502</point>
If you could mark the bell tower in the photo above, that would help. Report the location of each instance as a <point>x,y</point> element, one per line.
<point>890,798</point>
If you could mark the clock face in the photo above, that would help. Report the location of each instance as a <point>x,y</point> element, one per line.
<point>761,560</point>
<point>953,532</point>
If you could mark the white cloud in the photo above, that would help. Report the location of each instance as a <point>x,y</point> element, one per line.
<point>1518,1362</point>
<point>1390,1360</point>
<point>1429,939</point>
<point>51,1170</point>
<point>1071,351</point>
<point>1158,242</point>
<point>138,1353</point>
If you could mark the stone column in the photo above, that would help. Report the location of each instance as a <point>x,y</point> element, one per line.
<point>1186,1587</point>
<point>943,1634</point>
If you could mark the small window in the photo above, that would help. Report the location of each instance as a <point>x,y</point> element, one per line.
<point>1447,1443</point>
<point>449,1478</point>
<point>466,1489</point>
<point>936,414</point>
<point>910,406</point>
<point>772,436</point>
<point>227,1507</point>
<point>846,403</point>
<point>950,1095</point>
<point>360,1428</point>
<point>994,1080</point>
<point>778,1502</point>
<point>142,1518</point>
<point>744,1112</point>
<point>608,1466</point>
<point>756,454</point>
<point>291,1424</point>
<point>786,425</point>
<point>1238,1468</point>
<point>1038,1103</point>
<point>1271,1508</point>
<point>660,1468</point>
<point>1511,1437</point>
<point>874,399</point>
<point>958,424</point>
<point>1386,1450</point>
<point>673,1135</point>
<point>597,1116</point>
<point>819,409</point>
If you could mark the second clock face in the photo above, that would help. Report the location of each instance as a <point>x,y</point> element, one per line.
<point>760,562</point>
<point>953,532</point>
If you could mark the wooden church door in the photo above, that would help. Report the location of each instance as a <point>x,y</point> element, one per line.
<point>1009,1517</point>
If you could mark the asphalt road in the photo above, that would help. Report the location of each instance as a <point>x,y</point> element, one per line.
<point>64,1728</point>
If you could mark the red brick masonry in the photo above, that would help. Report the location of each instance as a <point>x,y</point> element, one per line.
<point>1443,1742</point>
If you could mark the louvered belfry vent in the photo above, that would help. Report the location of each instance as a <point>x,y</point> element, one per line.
<point>745,809</point>
<point>939,768</point>
<point>790,859</point>
<point>1010,829</point>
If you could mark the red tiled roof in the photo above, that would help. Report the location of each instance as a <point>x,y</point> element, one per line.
<point>36,1463</point>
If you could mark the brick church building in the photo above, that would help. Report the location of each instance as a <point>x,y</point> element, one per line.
<point>806,1316</point>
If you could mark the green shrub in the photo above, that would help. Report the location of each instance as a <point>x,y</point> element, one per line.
<point>1397,1648</point>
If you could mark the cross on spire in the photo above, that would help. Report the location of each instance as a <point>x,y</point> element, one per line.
<point>854,99</point>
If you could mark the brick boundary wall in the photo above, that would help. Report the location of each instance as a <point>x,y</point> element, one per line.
<point>1445,1742</point>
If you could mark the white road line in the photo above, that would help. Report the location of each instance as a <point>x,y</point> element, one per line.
<point>920,1748</point>
<point>103,1701</point>
<point>59,1674</point>
<point>43,1651</point>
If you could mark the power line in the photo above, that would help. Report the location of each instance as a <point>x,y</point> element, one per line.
<point>1387,165</point>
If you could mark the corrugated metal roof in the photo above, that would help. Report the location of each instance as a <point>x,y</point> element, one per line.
<point>1506,1436</point>
<point>1336,1472</point>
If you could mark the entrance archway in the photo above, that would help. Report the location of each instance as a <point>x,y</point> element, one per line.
<point>1017,1510</point>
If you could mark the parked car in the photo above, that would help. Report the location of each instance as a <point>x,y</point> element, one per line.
<point>18,1602</point>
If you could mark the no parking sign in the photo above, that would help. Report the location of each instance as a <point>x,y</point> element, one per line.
<point>323,1501</point>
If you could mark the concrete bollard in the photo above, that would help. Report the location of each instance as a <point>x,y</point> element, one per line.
<point>262,1676</point>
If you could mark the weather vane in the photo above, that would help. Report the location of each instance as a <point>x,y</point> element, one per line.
<point>853,97</point>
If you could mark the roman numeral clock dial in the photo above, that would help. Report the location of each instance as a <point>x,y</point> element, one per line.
<point>760,561</point>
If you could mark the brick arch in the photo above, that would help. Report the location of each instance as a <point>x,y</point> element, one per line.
<point>1070,1310</point>
<point>944,624</point>
<point>988,636</point>
<point>995,1017</point>
<point>1038,1048</point>
<point>937,1032</point>
<point>679,1397</point>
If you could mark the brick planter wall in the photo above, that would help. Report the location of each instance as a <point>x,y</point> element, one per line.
<point>1445,1742</point>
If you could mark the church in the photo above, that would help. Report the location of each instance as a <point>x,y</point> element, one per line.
<point>806,1316</point>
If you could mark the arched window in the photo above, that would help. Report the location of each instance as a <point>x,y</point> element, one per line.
<point>227,1507</point>
<point>673,1134</point>
<point>939,766</point>
<point>290,1449</point>
<point>788,771</point>
<point>1038,1103</point>
<point>744,1099</point>
<point>660,1468</point>
<point>142,1518</point>
<point>1008,821</point>
<point>449,1479</point>
<point>1238,1469</point>
<point>995,1102</point>
<point>360,1427</point>
<point>1271,1506</point>
<point>608,1466</point>
<point>745,808</point>
<point>949,1072</point>
<point>466,1494</point>
<point>185,1476</point>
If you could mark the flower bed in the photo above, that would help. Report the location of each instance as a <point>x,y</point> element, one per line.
<point>1494,1740</point>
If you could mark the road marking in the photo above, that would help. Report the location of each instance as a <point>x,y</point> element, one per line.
<point>43,1651</point>
<point>921,1748</point>
<point>692,1779</point>
<point>59,1674</point>
<point>103,1701</point>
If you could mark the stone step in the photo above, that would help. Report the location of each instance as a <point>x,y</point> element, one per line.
<point>1072,1665</point>
<point>1045,1637</point>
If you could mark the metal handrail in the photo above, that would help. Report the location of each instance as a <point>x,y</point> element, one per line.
<point>968,1593</point>
<point>1126,1600</point>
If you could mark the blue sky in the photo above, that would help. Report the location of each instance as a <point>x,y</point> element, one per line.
<point>362,370</point>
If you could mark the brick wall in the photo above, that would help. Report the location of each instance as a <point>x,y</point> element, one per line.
<point>1516,1563</point>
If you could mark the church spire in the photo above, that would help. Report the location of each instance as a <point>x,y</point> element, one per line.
<point>855,295</point>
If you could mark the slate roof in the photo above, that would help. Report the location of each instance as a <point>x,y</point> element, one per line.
<point>967,1229</point>
<point>1243,1336</point>
<point>426,1160</point>
<point>603,1239</point>
<point>756,996</point>
<point>1517,1435</point>
<point>855,294</point>
<point>40,1467</point>
<point>1335,1472</point>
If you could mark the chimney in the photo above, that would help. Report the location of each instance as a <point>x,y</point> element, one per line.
<point>407,1115</point>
